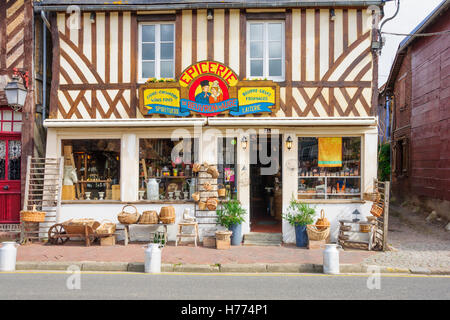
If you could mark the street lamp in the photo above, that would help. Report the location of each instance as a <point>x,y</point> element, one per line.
<point>244,143</point>
<point>16,93</point>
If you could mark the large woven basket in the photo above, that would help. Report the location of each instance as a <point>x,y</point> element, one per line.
<point>167,215</point>
<point>32,216</point>
<point>106,227</point>
<point>149,217</point>
<point>223,235</point>
<point>316,234</point>
<point>125,217</point>
<point>377,209</point>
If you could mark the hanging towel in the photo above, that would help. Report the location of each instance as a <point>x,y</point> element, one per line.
<point>330,152</point>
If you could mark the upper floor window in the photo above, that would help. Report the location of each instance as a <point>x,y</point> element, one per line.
<point>265,50</point>
<point>156,51</point>
<point>10,121</point>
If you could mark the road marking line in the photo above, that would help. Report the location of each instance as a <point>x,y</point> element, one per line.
<point>229,274</point>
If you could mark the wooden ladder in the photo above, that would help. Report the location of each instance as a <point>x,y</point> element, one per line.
<point>43,189</point>
<point>381,233</point>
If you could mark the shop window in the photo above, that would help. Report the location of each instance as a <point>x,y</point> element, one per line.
<point>156,51</point>
<point>265,51</point>
<point>167,163</point>
<point>329,168</point>
<point>97,169</point>
<point>227,165</point>
<point>10,121</point>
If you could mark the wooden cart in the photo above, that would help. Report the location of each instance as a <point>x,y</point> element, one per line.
<point>61,232</point>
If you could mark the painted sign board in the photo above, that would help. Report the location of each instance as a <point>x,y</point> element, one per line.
<point>209,88</point>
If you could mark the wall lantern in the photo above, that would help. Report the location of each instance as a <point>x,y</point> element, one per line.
<point>244,142</point>
<point>209,14</point>
<point>332,15</point>
<point>92,17</point>
<point>289,143</point>
<point>16,92</point>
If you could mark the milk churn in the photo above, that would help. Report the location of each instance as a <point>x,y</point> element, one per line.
<point>153,189</point>
<point>8,253</point>
<point>331,259</point>
<point>152,258</point>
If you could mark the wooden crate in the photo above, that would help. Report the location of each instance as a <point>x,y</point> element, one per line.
<point>223,244</point>
<point>209,242</point>
<point>316,244</point>
<point>108,241</point>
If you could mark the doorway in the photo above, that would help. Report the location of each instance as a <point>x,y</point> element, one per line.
<point>265,183</point>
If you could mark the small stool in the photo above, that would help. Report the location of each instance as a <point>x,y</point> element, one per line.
<point>180,233</point>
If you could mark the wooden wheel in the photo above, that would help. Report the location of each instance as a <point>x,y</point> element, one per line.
<point>55,232</point>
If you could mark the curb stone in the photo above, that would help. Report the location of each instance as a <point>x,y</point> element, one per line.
<point>46,265</point>
<point>104,266</point>
<point>202,268</point>
<point>283,267</point>
<point>419,270</point>
<point>246,268</point>
<point>140,267</point>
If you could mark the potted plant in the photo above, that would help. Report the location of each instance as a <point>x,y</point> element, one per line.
<point>299,215</point>
<point>231,215</point>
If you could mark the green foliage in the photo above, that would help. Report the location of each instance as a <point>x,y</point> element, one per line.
<point>230,213</point>
<point>384,165</point>
<point>299,214</point>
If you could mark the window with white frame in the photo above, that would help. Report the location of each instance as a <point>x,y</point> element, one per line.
<point>265,50</point>
<point>156,51</point>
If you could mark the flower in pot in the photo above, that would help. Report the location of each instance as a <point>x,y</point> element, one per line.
<point>299,215</point>
<point>231,215</point>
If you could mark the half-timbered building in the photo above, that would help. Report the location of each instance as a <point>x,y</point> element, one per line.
<point>279,95</point>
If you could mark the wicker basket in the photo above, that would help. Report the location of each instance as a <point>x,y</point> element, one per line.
<point>128,217</point>
<point>202,205</point>
<point>371,219</point>
<point>316,234</point>
<point>32,216</point>
<point>196,196</point>
<point>106,227</point>
<point>212,170</point>
<point>207,186</point>
<point>365,227</point>
<point>322,223</point>
<point>377,210</point>
<point>223,235</point>
<point>212,203</point>
<point>344,237</point>
<point>345,228</point>
<point>167,215</point>
<point>196,167</point>
<point>149,217</point>
<point>221,191</point>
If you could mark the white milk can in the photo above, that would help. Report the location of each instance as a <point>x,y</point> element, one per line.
<point>152,258</point>
<point>153,189</point>
<point>331,259</point>
<point>8,253</point>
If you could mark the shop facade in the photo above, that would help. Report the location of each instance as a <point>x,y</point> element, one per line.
<point>279,99</point>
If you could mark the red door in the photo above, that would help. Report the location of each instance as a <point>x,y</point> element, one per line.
<point>10,156</point>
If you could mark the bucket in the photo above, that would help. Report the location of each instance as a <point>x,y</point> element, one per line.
<point>236,236</point>
<point>8,253</point>
<point>152,258</point>
<point>331,259</point>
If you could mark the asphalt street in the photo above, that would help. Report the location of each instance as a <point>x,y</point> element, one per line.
<point>173,286</point>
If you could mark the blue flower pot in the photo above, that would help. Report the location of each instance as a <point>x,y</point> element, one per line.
<point>301,237</point>
<point>236,237</point>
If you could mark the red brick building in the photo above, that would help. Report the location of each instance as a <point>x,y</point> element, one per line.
<point>418,88</point>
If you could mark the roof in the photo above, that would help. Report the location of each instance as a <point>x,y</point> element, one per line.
<point>408,40</point>
<point>56,5</point>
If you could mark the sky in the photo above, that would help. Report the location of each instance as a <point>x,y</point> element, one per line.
<point>411,13</point>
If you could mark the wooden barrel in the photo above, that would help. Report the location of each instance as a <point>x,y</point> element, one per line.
<point>167,215</point>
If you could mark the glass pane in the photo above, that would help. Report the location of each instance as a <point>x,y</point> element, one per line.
<point>256,31</point>
<point>256,49</point>
<point>167,50</point>
<point>311,188</point>
<point>6,126</point>
<point>167,32</point>
<point>14,154</point>
<point>148,69</point>
<point>256,68</point>
<point>17,116</point>
<point>148,33</point>
<point>2,158</point>
<point>275,68</point>
<point>17,126</point>
<point>167,69</point>
<point>7,115</point>
<point>274,31</point>
<point>275,49</point>
<point>148,51</point>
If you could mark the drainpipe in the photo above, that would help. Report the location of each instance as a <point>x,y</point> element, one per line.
<point>45,25</point>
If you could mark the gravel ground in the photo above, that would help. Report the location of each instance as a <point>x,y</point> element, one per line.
<point>415,242</point>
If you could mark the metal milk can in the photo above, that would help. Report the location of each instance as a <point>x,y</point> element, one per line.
<point>153,189</point>
<point>152,258</point>
<point>331,259</point>
<point>8,253</point>
<point>192,187</point>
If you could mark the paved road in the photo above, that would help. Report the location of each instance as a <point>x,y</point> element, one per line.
<point>53,285</point>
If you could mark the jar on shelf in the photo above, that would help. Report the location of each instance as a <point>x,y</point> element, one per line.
<point>165,171</point>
